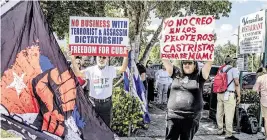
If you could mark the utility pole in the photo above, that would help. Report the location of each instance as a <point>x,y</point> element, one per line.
<point>265,51</point>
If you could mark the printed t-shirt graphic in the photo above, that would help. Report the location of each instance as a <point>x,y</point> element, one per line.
<point>101,81</point>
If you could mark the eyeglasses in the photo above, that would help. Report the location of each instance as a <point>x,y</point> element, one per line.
<point>187,62</point>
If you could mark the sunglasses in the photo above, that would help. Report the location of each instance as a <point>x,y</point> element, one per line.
<point>103,57</point>
<point>188,62</point>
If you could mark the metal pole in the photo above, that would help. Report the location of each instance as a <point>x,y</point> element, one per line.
<point>237,49</point>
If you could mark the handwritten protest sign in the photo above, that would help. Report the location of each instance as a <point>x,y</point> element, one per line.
<point>98,36</point>
<point>188,38</point>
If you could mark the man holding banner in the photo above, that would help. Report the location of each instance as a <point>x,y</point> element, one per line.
<point>101,82</point>
<point>189,39</point>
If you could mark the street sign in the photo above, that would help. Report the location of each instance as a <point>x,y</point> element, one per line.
<point>252,33</point>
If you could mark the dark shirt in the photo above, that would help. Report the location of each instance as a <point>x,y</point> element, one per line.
<point>141,68</point>
<point>186,93</point>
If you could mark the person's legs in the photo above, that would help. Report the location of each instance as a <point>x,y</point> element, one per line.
<point>160,93</point>
<point>229,109</point>
<point>165,91</point>
<point>264,114</point>
<point>172,129</point>
<point>150,90</point>
<point>220,112</point>
<point>190,127</point>
<point>105,111</point>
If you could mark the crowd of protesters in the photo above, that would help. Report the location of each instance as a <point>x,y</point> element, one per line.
<point>180,89</point>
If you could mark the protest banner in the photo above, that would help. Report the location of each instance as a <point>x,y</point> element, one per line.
<point>188,38</point>
<point>252,33</point>
<point>98,36</point>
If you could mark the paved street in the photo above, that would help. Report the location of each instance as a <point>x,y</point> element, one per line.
<point>207,130</point>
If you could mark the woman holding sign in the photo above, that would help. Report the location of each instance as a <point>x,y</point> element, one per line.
<point>185,102</point>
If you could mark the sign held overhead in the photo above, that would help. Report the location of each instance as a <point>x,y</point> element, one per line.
<point>99,36</point>
<point>188,38</point>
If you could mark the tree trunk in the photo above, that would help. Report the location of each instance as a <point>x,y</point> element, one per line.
<point>155,37</point>
<point>151,43</point>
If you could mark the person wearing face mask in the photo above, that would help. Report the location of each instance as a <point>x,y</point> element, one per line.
<point>101,83</point>
<point>185,101</point>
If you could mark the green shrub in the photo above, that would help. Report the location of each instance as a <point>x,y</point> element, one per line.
<point>125,109</point>
<point>251,97</point>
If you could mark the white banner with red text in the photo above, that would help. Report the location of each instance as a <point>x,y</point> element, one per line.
<point>98,36</point>
<point>188,38</point>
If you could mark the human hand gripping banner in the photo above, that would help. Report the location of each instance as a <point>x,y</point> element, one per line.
<point>98,36</point>
<point>188,38</point>
<point>40,96</point>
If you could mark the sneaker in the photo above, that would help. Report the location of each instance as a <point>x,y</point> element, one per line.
<point>231,138</point>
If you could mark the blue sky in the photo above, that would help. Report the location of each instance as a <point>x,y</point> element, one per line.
<point>226,26</point>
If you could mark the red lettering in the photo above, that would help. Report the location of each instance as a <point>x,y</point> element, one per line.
<point>173,38</point>
<point>193,29</point>
<point>192,37</point>
<point>199,37</point>
<point>166,38</point>
<point>182,37</point>
<point>168,23</point>
<point>190,22</point>
<point>171,31</point>
<point>203,21</point>
<point>82,23</point>
<point>191,56</point>
<point>75,22</point>
<point>108,23</point>
<point>209,20</point>
<point>198,21</point>
<point>165,47</point>
<point>190,47</point>
<point>211,37</point>
<point>172,49</point>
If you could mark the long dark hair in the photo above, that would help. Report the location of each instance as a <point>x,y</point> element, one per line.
<point>196,70</point>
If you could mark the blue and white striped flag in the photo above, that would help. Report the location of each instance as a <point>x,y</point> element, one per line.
<point>138,88</point>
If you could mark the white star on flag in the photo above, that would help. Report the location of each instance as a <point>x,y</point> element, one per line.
<point>17,83</point>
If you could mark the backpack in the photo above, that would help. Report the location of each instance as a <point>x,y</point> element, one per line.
<point>220,83</point>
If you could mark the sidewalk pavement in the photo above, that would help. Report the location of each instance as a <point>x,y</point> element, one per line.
<point>207,129</point>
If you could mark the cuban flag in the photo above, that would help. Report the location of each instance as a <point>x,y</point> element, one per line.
<point>138,87</point>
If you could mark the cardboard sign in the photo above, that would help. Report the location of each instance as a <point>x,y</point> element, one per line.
<point>188,38</point>
<point>252,33</point>
<point>99,36</point>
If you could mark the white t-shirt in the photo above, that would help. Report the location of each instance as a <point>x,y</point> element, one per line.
<point>101,81</point>
<point>163,77</point>
<point>231,74</point>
